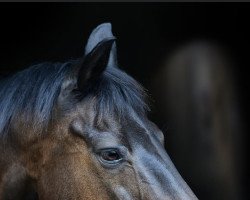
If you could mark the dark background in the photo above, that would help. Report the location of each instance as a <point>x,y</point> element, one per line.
<point>146,32</point>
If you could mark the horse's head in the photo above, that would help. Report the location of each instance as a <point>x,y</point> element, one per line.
<point>100,143</point>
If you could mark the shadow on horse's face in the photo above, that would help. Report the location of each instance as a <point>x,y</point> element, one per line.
<point>99,143</point>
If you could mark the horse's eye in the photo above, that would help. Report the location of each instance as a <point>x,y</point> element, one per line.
<point>111,155</point>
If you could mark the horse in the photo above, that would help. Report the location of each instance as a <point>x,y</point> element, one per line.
<point>79,130</point>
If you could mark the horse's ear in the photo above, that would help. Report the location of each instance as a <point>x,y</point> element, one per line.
<point>100,33</point>
<point>100,53</point>
<point>94,64</point>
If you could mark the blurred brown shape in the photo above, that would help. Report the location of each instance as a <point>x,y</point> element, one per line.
<point>199,102</point>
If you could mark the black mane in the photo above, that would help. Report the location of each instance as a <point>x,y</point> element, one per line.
<point>33,93</point>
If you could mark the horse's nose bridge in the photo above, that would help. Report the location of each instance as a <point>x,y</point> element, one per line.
<point>159,177</point>
<point>153,172</point>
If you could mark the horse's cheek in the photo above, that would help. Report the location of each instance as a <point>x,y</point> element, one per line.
<point>71,177</point>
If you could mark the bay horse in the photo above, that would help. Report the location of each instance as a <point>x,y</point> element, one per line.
<point>79,130</point>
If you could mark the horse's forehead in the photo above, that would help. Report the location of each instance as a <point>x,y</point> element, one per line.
<point>108,118</point>
<point>91,121</point>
